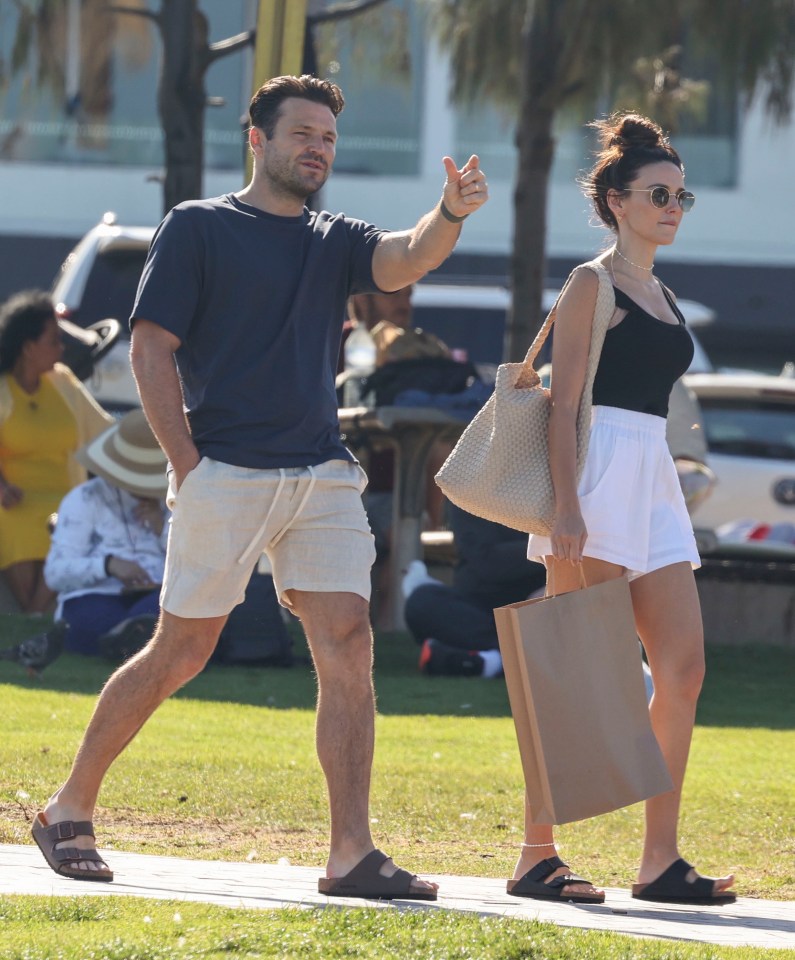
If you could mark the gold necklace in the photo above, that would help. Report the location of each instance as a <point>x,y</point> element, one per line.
<point>632,262</point>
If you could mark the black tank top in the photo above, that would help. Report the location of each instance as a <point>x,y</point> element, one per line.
<point>641,359</point>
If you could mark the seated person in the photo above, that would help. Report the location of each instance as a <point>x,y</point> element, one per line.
<point>455,624</point>
<point>45,415</point>
<point>386,315</point>
<point>108,548</point>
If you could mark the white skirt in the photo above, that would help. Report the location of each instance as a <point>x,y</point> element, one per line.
<point>630,497</point>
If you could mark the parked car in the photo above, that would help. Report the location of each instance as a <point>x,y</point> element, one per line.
<point>749,421</point>
<point>472,316</point>
<point>100,276</point>
<point>98,280</point>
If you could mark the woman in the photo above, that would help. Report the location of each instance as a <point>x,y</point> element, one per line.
<point>627,516</point>
<point>45,415</point>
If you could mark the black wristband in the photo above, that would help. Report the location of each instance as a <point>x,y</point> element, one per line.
<point>108,558</point>
<point>450,216</point>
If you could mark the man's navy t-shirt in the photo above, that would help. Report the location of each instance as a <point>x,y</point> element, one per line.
<point>257,302</point>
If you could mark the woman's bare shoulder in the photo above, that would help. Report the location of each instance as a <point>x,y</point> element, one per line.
<point>580,292</point>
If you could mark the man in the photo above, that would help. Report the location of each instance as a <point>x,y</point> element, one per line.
<point>373,308</point>
<point>247,293</point>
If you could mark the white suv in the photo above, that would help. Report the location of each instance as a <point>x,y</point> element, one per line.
<point>97,280</point>
<point>749,421</point>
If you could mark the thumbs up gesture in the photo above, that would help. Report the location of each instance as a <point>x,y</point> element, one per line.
<point>466,189</point>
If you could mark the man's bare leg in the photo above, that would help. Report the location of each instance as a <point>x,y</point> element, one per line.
<point>337,627</point>
<point>179,650</point>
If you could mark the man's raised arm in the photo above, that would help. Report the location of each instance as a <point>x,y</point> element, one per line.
<point>403,257</point>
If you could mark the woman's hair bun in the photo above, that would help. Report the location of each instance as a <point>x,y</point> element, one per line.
<point>627,130</point>
<point>627,142</point>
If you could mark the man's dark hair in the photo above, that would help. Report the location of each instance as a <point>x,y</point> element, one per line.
<point>265,107</point>
<point>22,318</point>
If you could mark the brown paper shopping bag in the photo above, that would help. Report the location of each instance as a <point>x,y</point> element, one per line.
<point>575,683</point>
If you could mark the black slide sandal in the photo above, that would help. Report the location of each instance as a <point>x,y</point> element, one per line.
<point>533,885</point>
<point>673,886</point>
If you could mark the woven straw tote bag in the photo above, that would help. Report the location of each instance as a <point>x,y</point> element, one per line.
<point>499,469</point>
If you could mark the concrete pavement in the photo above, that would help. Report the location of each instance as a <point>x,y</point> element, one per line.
<point>748,922</point>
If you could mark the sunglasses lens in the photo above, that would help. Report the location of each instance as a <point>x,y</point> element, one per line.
<point>660,196</point>
<point>686,200</point>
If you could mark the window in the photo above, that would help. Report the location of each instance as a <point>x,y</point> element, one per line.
<point>490,132</point>
<point>85,88</point>
<point>377,59</point>
<point>111,287</point>
<point>754,428</point>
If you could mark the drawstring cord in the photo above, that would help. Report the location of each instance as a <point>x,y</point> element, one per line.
<point>282,480</point>
<point>250,548</point>
<point>309,488</point>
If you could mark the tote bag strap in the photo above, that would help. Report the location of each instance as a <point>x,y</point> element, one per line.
<point>528,376</point>
<point>603,312</point>
<point>601,319</point>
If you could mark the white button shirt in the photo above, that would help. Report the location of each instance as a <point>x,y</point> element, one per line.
<point>97,519</point>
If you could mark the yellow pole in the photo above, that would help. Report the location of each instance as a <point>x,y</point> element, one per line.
<point>280,39</point>
<point>279,46</point>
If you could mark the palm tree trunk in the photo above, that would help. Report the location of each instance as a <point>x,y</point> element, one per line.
<point>182,98</point>
<point>553,37</point>
<point>528,260</point>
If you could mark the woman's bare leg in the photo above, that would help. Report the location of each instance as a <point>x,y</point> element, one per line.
<point>668,619</point>
<point>26,582</point>
<point>20,579</point>
<point>539,842</point>
<point>42,599</point>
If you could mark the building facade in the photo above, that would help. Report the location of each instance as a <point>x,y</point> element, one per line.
<point>79,135</point>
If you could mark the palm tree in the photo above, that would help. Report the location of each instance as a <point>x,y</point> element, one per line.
<point>543,56</point>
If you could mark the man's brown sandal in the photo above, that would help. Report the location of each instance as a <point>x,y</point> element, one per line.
<point>65,861</point>
<point>366,881</point>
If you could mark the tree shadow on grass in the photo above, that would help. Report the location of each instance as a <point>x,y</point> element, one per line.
<point>400,688</point>
<point>749,686</point>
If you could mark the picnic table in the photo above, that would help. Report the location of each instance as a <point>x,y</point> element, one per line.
<point>411,432</point>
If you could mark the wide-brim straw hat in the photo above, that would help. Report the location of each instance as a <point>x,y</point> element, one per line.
<point>128,456</point>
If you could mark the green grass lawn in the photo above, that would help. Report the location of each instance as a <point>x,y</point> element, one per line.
<point>227,769</point>
<point>116,928</point>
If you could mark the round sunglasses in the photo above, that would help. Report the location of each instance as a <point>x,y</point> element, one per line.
<point>660,196</point>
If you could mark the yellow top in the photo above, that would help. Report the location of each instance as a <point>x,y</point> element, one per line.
<point>39,434</point>
<point>36,442</point>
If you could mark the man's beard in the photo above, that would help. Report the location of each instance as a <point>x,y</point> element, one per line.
<point>286,179</point>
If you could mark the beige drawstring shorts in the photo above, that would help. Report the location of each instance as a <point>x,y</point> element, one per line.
<point>309,521</point>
